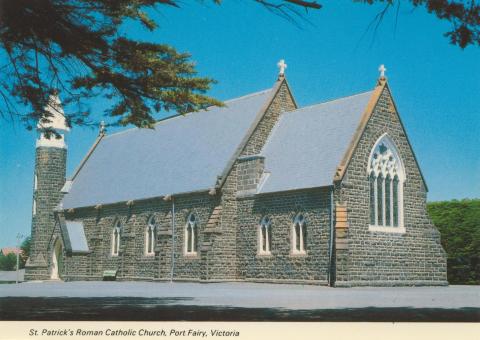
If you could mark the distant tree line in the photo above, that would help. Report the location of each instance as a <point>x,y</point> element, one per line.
<point>459,225</point>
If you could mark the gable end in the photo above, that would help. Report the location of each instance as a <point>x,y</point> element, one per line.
<point>368,113</point>
<point>241,150</point>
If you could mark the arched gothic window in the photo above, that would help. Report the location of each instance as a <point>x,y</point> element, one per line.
<point>150,236</point>
<point>373,216</point>
<point>191,235</point>
<point>380,199</point>
<point>116,233</point>
<point>299,235</point>
<point>264,236</point>
<point>386,175</point>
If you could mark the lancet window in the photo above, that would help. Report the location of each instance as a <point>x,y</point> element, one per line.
<point>386,176</point>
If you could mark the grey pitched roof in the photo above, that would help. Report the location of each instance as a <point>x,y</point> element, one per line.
<point>182,154</point>
<point>307,144</point>
<point>76,235</point>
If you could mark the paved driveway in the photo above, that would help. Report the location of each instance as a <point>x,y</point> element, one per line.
<point>254,300</point>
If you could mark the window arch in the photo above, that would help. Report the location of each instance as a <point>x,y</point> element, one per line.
<point>191,235</point>
<point>150,236</point>
<point>299,235</point>
<point>265,236</point>
<point>386,176</point>
<point>116,234</point>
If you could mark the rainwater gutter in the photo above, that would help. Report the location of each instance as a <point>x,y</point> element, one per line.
<point>173,239</point>
<point>172,262</point>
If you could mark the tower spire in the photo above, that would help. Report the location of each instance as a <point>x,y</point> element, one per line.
<point>56,121</point>
<point>49,178</point>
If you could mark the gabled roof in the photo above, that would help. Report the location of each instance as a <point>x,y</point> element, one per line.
<point>246,138</point>
<point>307,144</point>
<point>181,154</point>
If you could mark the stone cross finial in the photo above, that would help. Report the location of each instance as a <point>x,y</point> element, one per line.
<point>281,66</point>
<point>102,127</point>
<point>382,69</point>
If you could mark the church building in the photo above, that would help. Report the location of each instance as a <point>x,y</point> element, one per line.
<point>259,190</point>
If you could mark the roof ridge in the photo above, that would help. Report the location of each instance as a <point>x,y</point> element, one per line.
<point>330,101</point>
<point>249,95</point>
<point>188,113</point>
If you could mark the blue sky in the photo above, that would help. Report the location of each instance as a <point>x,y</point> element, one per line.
<point>436,86</point>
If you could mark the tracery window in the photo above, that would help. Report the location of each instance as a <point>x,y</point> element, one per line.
<point>299,235</point>
<point>386,176</point>
<point>264,236</point>
<point>150,236</point>
<point>191,235</point>
<point>116,233</point>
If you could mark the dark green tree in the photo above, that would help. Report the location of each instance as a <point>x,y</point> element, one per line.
<point>75,46</point>
<point>8,262</point>
<point>459,225</point>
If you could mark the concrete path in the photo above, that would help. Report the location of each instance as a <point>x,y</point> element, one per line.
<point>257,295</point>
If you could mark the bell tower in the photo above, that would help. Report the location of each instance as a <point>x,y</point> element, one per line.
<point>49,178</point>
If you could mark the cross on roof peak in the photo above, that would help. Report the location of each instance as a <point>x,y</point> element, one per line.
<point>102,128</point>
<point>281,67</point>
<point>382,69</point>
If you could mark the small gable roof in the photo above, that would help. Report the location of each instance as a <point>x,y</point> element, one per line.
<point>76,236</point>
<point>307,144</point>
<point>181,154</point>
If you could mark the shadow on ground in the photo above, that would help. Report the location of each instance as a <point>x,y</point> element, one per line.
<point>173,309</point>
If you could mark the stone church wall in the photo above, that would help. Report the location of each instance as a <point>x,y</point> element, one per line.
<point>223,258</point>
<point>282,265</point>
<point>379,258</point>
<point>132,263</point>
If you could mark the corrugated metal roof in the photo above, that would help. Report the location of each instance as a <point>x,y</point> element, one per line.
<point>76,235</point>
<point>182,154</point>
<point>307,144</point>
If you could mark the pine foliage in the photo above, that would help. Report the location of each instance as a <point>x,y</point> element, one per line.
<point>76,47</point>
